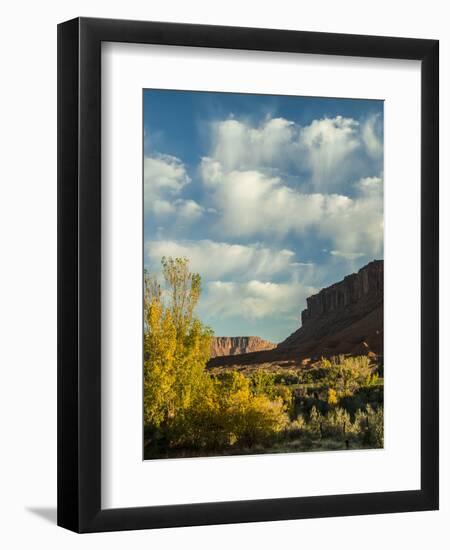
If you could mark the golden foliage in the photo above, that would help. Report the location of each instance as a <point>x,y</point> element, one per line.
<point>176,345</point>
<point>180,396</point>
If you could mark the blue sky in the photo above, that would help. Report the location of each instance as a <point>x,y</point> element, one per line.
<point>270,197</point>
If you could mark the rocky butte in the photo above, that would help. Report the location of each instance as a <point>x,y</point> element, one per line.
<point>344,318</point>
<point>234,345</point>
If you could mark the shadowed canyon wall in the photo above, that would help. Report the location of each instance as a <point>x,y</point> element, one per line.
<point>346,317</point>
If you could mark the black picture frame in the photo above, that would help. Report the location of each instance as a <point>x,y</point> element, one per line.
<point>79,274</point>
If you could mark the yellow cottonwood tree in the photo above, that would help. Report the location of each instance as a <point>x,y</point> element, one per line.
<point>176,344</point>
<point>182,400</point>
<point>159,356</point>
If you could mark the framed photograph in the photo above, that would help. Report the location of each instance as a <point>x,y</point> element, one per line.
<point>247,276</point>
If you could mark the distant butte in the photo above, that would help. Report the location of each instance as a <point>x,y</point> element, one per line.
<point>235,345</point>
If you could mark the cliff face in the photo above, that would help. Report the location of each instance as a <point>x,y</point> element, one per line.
<point>346,317</point>
<point>235,345</point>
<point>341,305</point>
<point>361,288</point>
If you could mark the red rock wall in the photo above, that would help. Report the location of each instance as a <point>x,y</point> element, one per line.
<point>368,282</point>
<point>235,345</point>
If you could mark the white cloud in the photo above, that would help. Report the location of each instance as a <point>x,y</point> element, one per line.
<point>161,207</point>
<point>372,136</point>
<point>185,209</point>
<point>211,171</point>
<point>237,145</point>
<point>165,172</point>
<point>255,299</point>
<point>359,227</point>
<point>188,209</point>
<point>327,146</point>
<point>164,177</point>
<point>347,255</point>
<point>251,203</point>
<point>326,153</point>
<point>218,260</point>
<point>237,280</point>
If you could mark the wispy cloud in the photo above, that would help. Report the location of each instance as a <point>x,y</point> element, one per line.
<point>219,260</point>
<point>327,153</point>
<point>255,299</point>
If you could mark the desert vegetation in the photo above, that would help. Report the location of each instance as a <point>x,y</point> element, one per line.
<point>190,410</point>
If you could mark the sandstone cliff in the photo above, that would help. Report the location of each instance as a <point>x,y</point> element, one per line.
<point>235,345</point>
<point>346,317</point>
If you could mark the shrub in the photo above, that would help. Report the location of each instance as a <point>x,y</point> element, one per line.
<point>286,395</point>
<point>337,423</point>
<point>297,428</point>
<point>255,419</point>
<point>228,414</point>
<point>369,425</point>
<point>263,382</point>
<point>376,426</point>
<point>315,422</point>
<point>332,397</point>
